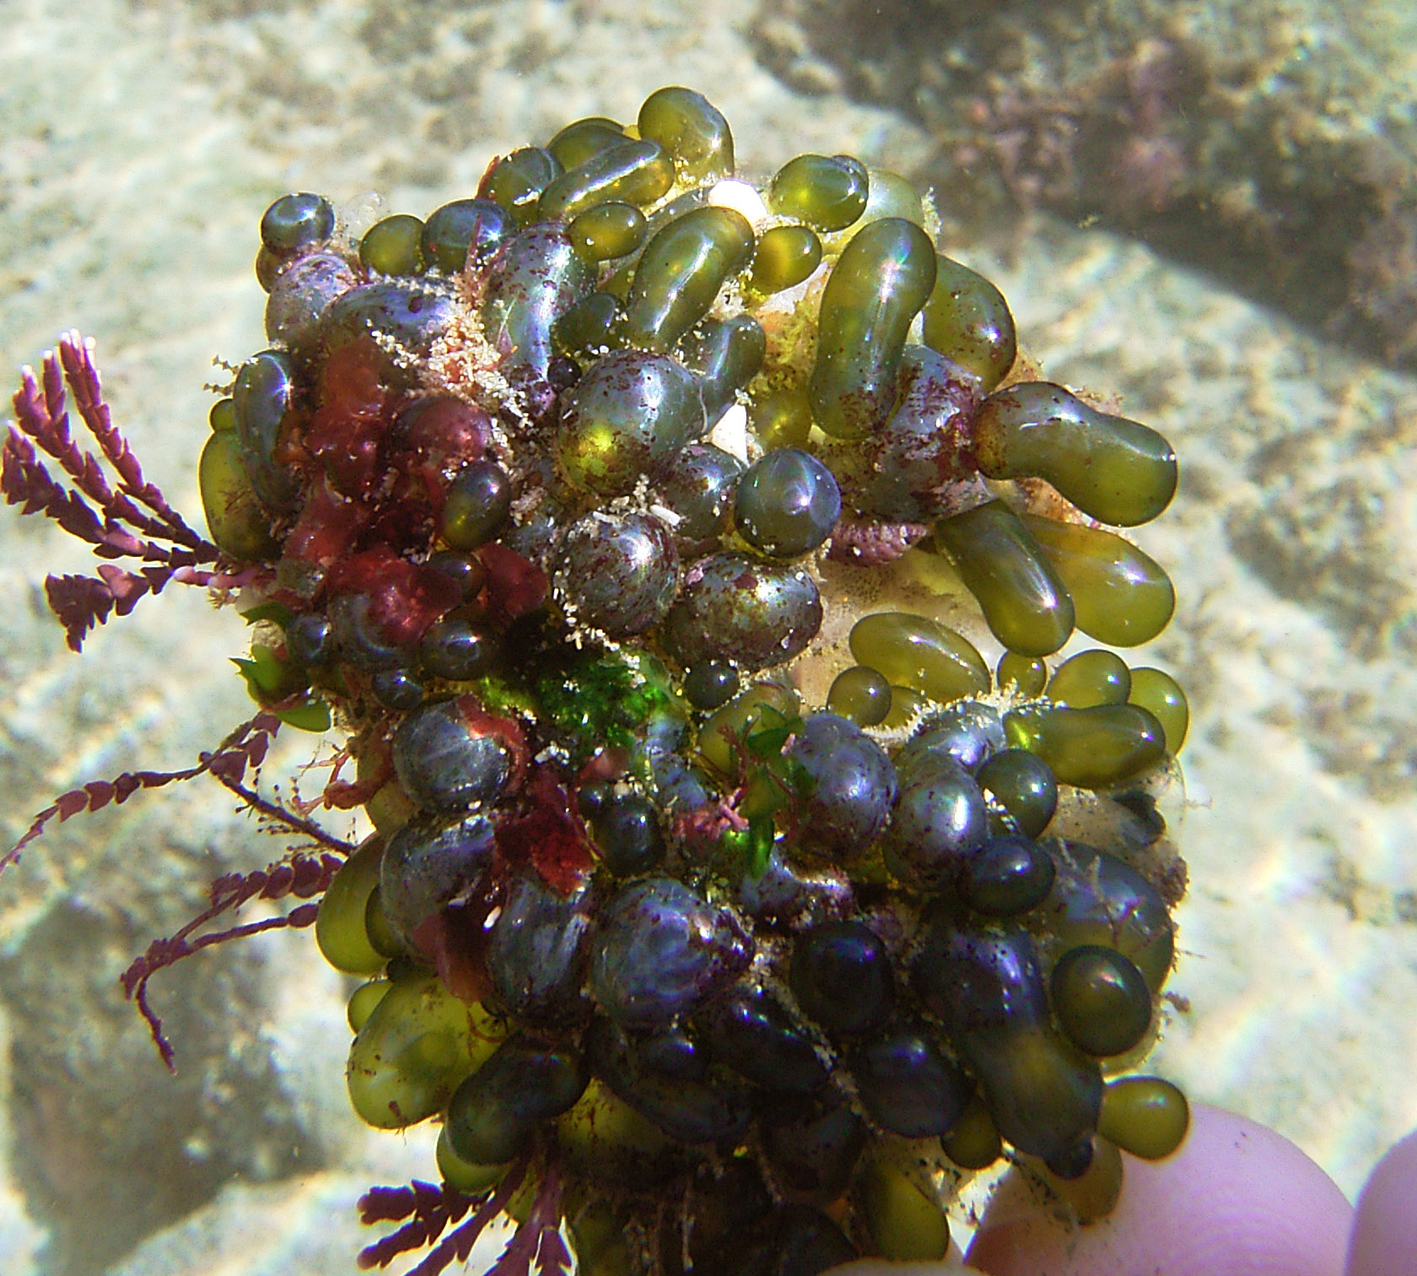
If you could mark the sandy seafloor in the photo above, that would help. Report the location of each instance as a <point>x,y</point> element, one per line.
<point>141,142</point>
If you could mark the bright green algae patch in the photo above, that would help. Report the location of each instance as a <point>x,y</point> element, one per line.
<point>599,702</point>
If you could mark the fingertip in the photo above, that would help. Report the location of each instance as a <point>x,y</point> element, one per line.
<point>1384,1240</point>
<point>1236,1199</point>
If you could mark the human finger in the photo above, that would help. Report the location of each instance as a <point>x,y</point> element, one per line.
<point>1236,1199</point>
<point>1384,1238</point>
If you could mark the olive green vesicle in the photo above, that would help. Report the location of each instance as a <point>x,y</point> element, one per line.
<point>967,320</point>
<point>376,927</point>
<point>465,1175</point>
<point>785,256</point>
<point>680,272</point>
<point>393,246</point>
<point>476,506</point>
<point>1159,693</point>
<point>907,704</point>
<point>1023,675</point>
<point>1101,900</point>
<point>989,993</point>
<point>1112,469</point>
<point>781,419</point>
<point>860,694</point>
<point>1088,1194</point>
<point>236,519</point>
<point>973,1143</point>
<point>607,231</point>
<point>1120,595</point>
<point>903,1216</point>
<point>1101,999</point>
<point>222,415</point>
<point>768,703</point>
<point>1024,602</point>
<point>883,278</point>
<point>1024,786</point>
<point>828,192</point>
<point>1042,1094</point>
<point>339,923</point>
<point>413,1050</point>
<point>516,182</point>
<point>1092,748</point>
<point>1091,678</point>
<point>635,171</point>
<point>919,653</point>
<point>891,195</point>
<point>726,354</point>
<point>262,399</point>
<point>583,138</point>
<point>1145,1116</point>
<point>601,1133</point>
<point>590,326</point>
<point>363,1000</point>
<point>691,129</point>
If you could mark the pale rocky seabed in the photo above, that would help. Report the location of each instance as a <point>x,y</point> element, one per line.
<point>142,143</point>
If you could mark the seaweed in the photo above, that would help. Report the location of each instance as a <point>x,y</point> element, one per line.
<point>124,519</point>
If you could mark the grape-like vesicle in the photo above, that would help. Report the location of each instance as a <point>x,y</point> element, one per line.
<point>648,538</point>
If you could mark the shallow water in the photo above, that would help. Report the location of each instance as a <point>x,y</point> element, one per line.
<point>142,142</point>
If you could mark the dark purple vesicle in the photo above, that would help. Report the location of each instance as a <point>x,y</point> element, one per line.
<point>732,607</point>
<point>661,949</point>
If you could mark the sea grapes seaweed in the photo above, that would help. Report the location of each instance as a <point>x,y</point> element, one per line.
<point>722,904</point>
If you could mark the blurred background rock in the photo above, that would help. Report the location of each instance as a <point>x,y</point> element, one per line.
<point>1271,143</point>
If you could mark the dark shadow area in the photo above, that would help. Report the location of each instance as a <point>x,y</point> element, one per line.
<point>1226,151</point>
